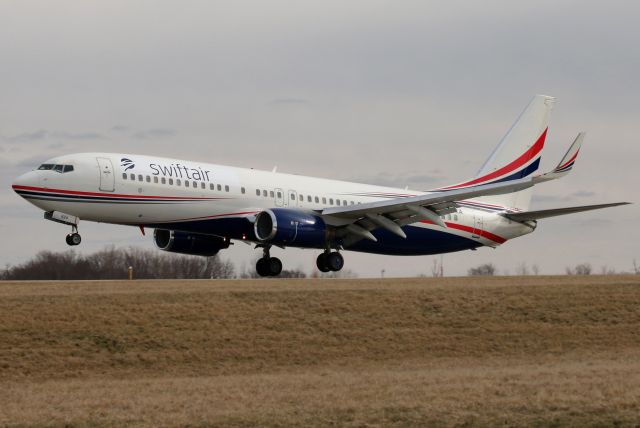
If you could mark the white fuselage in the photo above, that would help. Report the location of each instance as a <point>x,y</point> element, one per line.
<point>152,192</point>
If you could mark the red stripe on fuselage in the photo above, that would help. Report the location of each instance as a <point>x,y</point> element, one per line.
<point>491,236</point>
<point>114,195</point>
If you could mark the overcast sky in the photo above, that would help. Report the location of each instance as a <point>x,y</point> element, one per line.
<point>397,92</point>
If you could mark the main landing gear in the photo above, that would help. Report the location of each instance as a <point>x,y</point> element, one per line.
<point>74,237</point>
<point>330,261</point>
<point>267,265</point>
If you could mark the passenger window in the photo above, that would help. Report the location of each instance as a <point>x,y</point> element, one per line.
<point>178,182</point>
<point>324,200</point>
<point>293,197</point>
<point>68,168</point>
<point>211,186</point>
<point>317,200</point>
<point>226,188</point>
<point>148,179</point>
<point>242,190</point>
<point>140,177</point>
<point>257,192</point>
<point>337,201</point>
<point>264,193</point>
<point>330,201</point>
<point>309,198</point>
<point>271,193</point>
<point>202,185</point>
<point>351,202</point>
<point>279,195</point>
<point>301,198</point>
<point>133,177</point>
<point>186,183</point>
<point>124,175</point>
<point>163,180</point>
<point>155,180</point>
<point>455,217</point>
<point>171,181</point>
<point>219,188</point>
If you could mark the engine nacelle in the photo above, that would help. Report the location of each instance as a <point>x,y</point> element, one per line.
<point>282,226</point>
<point>189,243</point>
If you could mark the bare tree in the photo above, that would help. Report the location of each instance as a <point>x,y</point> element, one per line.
<point>522,269</point>
<point>535,269</point>
<point>581,269</point>
<point>111,263</point>
<point>487,269</point>
<point>636,268</point>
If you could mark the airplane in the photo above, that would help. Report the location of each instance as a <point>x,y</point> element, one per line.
<point>199,208</point>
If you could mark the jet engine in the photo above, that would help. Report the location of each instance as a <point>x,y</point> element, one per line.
<point>189,243</point>
<point>282,226</point>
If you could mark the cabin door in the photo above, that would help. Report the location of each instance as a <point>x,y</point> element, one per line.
<point>107,177</point>
<point>279,197</point>
<point>478,224</point>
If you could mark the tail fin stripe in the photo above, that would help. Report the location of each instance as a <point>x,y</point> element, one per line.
<point>569,164</point>
<point>527,156</point>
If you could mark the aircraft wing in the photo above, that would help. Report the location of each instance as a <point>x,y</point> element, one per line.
<point>536,215</point>
<point>357,221</point>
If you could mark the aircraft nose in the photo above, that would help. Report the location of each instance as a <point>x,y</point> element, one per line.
<point>30,179</point>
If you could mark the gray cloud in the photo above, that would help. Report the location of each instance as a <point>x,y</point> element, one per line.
<point>154,133</point>
<point>413,180</point>
<point>289,101</point>
<point>43,134</point>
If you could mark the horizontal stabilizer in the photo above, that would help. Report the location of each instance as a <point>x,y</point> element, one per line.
<point>536,215</point>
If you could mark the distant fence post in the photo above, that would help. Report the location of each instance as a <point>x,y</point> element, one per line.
<point>130,273</point>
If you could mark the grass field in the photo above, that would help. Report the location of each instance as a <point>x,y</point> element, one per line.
<point>560,351</point>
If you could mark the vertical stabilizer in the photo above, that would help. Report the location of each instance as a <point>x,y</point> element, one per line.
<point>518,154</point>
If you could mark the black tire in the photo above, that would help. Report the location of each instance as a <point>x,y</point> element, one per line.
<point>334,261</point>
<point>274,266</point>
<point>68,239</point>
<point>321,262</point>
<point>74,238</point>
<point>261,267</point>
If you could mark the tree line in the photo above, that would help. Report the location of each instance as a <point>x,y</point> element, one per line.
<point>112,263</point>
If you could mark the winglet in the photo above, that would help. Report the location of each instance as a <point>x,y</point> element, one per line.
<point>569,158</point>
<point>567,162</point>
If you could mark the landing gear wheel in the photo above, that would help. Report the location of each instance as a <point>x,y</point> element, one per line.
<point>321,262</point>
<point>73,239</point>
<point>334,261</point>
<point>262,268</point>
<point>274,266</point>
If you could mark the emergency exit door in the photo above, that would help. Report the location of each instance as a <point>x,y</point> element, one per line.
<point>107,177</point>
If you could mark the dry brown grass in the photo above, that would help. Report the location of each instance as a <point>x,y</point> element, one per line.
<point>543,351</point>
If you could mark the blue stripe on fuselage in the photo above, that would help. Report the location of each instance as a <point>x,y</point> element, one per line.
<point>419,241</point>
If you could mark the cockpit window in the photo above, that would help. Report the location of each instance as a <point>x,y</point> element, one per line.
<point>55,167</point>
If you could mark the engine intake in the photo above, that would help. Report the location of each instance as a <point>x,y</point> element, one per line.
<point>189,243</point>
<point>282,226</point>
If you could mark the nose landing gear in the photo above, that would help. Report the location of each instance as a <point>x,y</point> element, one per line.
<point>267,265</point>
<point>330,261</point>
<point>74,237</point>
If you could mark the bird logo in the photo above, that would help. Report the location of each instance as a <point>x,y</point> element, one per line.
<point>127,164</point>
